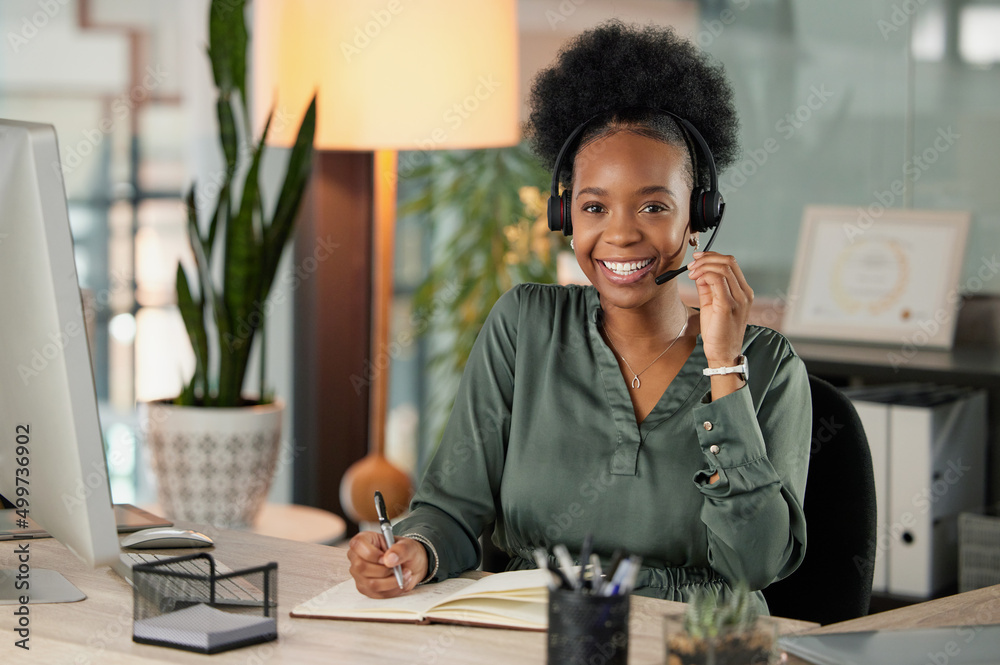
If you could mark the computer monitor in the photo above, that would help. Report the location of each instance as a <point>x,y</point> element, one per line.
<point>52,461</point>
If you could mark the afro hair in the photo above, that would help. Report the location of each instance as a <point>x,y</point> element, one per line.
<point>616,66</point>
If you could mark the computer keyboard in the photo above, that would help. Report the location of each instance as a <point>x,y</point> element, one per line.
<point>228,591</point>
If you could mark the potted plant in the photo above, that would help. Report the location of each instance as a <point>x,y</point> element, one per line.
<point>214,447</point>
<point>711,632</point>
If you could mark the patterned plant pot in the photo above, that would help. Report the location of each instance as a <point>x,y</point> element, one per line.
<point>213,466</point>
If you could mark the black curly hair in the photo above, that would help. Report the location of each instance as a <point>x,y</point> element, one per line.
<point>625,70</point>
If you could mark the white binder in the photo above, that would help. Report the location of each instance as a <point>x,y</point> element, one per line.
<point>937,448</point>
<point>928,446</point>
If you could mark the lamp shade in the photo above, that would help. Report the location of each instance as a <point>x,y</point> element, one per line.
<point>396,74</point>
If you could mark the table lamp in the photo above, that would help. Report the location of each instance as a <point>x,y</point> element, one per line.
<point>397,75</point>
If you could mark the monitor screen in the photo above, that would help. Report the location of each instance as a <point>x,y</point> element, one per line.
<point>52,462</point>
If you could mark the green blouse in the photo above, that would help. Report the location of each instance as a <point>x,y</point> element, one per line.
<point>543,440</point>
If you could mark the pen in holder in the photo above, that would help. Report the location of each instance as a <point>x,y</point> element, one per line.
<point>585,628</point>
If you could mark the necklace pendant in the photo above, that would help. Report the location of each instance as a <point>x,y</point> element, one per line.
<point>635,382</point>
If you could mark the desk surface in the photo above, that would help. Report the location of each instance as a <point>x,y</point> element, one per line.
<point>976,608</point>
<point>98,630</point>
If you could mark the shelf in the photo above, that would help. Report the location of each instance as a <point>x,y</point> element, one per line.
<point>967,366</point>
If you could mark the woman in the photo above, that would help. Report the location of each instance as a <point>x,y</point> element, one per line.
<point>587,409</point>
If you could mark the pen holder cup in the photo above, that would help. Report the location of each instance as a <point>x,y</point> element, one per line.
<point>585,629</point>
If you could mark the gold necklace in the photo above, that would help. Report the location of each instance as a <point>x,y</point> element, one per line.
<point>636,384</point>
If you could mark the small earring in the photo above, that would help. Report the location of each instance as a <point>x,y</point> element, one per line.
<point>695,242</point>
<point>571,245</point>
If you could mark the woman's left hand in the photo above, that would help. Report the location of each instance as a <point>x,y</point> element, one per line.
<point>725,299</point>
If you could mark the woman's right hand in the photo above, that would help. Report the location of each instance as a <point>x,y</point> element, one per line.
<point>372,564</point>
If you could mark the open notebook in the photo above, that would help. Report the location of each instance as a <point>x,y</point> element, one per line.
<point>517,599</point>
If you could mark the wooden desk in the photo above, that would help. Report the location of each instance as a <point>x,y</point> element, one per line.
<point>975,608</point>
<point>98,631</point>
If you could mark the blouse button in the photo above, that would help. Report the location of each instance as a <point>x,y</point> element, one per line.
<point>714,449</point>
<point>707,425</point>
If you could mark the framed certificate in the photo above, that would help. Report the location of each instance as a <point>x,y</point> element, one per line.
<point>888,278</point>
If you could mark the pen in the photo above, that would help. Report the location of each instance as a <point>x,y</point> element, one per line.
<point>585,549</point>
<point>383,523</point>
<point>566,563</point>
<point>596,574</point>
<point>616,559</point>
<point>628,583</point>
<point>542,559</point>
<point>614,585</point>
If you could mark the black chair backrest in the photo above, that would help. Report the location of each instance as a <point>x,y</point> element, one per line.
<point>834,581</point>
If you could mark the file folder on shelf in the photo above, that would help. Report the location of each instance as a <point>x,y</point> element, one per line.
<point>928,449</point>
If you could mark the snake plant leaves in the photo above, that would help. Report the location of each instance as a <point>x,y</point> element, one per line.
<point>251,242</point>
<point>227,47</point>
<point>296,177</point>
<point>193,315</point>
<point>242,276</point>
<point>227,133</point>
<point>223,211</point>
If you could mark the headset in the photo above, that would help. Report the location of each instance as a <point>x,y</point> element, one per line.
<point>707,205</point>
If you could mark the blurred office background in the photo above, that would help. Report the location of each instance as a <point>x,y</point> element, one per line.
<point>854,103</point>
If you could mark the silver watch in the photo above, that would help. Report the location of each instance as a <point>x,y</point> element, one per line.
<point>742,369</point>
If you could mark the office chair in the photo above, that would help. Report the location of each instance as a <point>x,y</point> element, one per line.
<point>834,581</point>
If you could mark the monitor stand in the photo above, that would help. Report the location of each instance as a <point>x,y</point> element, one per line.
<point>47,586</point>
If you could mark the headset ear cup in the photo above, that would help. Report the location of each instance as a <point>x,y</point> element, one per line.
<point>555,213</point>
<point>713,207</point>
<point>706,209</point>
<point>567,220</point>
<point>697,212</point>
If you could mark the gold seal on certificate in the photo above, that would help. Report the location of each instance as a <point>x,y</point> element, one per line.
<point>883,275</point>
<point>871,276</point>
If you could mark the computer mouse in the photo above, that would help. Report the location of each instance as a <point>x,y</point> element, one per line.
<point>165,537</point>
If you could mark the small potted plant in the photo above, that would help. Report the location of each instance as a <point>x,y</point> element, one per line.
<point>714,632</point>
<point>214,447</point>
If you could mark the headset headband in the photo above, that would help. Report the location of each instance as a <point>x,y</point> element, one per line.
<point>685,124</point>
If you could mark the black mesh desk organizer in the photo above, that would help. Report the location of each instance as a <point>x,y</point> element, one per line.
<point>184,603</point>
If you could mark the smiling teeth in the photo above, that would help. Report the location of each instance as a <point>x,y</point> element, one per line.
<point>626,268</point>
